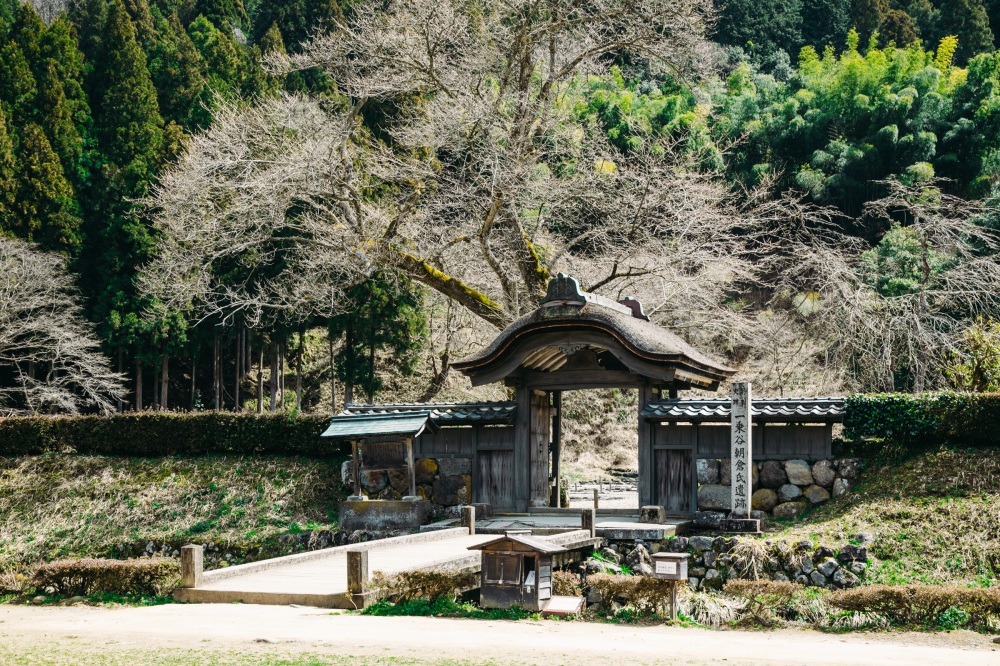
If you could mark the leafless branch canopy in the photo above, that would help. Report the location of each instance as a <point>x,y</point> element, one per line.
<point>50,359</point>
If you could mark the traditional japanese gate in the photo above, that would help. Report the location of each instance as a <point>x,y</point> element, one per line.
<point>577,340</point>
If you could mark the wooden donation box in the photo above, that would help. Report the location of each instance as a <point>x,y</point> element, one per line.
<point>516,571</point>
<point>673,569</point>
<point>670,566</point>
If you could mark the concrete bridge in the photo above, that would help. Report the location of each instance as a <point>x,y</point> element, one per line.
<point>338,577</point>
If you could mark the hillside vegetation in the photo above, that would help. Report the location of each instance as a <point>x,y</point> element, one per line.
<point>57,506</point>
<point>934,519</point>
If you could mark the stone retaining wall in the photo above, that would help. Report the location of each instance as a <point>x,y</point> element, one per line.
<point>781,488</point>
<point>714,560</point>
<point>446,482</point>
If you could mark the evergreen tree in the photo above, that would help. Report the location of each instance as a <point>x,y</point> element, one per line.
<point>46,210</point>
<point>8,178</point>
<point>967,20</point>
<point>868,15</point>
<point>384,316</point>
<point>296,19</point>
<point>57,119</point>
<point>176,68</point>
<point>126,114</point>
<point>26,30</point>
<point>8,9</point>
<point>825,23</point>
<point>59,52</point>
<point>129,130</point>
<point>219,52</point>
<point>17,84</point>
<point>761,26</point>
<point>223,14</point>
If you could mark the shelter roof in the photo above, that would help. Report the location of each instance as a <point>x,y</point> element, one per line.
<point>763,410</point>
<point>541,545</point>
<point>357,426</point>
<point>447,414</point>
<point>569,319</point>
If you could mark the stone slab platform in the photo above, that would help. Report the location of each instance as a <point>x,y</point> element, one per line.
<point>615,527</point>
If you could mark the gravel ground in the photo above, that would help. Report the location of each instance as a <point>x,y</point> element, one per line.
<point>247,634</point>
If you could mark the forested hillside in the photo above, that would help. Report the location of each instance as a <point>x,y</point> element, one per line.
<point>302,196</point>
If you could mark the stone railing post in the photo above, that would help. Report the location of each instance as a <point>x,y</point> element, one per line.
<point>588,518</point>
<point>357,576</point>
<point>192,565</point>
<point>469,519</point>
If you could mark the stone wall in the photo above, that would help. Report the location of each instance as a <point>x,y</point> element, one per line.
<point>781,487</point>
<point>714,560</point>
<point>446,482</point>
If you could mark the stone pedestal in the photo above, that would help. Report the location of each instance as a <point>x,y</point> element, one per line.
<point>653,514</point>
<point>380,515</point>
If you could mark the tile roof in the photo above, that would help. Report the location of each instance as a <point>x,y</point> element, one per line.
<point>462,413</point>
<point>348,426</point>
<point>541,545</point>
<point>776,410</point>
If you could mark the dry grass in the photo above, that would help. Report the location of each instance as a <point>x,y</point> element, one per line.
<point>936,519</point>
<point>66,506</point>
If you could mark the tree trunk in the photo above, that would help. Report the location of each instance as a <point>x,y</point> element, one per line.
<point>121,369</point>
<point>138,384</point>
<point>156,388</point>
<point>164,383</point>
<point>281,375</point>
<point>371,354</point>
<point>298,375</point>
<point>239,371</point>
<point>274,376</point>
<point>216,383</point>
<point>194,370</point>
<point>349,383</point>
<point>333,379</point>
<point>260,379</point>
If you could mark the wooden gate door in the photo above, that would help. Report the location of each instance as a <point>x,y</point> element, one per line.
<point>496,479</point>
<point>674,480</point>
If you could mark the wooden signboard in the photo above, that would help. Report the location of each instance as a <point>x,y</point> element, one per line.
<point>563,606</point>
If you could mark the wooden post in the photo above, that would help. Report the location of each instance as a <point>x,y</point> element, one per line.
<point>357,576</point>
<point>645,481</point>
<point>673,599</point>
<point>356,468</point>
<point>597,498</point>
<point>556,446</point>
<point>192,565</point>
<point>588,520</point>
<point>522,448</point>
<point>741,450</point>
<point>540,423</point>
<point>409,463</point>
<point>469,519</point>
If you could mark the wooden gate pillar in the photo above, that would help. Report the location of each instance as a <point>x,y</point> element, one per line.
<point>522,447</point>
<point>645,481</point>
<point>541,427</point>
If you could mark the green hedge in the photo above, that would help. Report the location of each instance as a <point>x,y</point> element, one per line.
<point>965,419</point>
<point>156,434</point>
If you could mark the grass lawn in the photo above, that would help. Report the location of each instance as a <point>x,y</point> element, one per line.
<point>934,517</point>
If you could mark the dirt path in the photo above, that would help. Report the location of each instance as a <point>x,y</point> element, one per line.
<point>258,631</point>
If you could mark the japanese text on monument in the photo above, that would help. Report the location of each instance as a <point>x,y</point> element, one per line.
<point>741,450</point>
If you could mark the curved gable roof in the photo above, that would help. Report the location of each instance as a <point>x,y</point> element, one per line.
<point>569,319</point>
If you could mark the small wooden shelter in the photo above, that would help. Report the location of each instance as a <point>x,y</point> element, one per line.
<point>381,441</point>
<point>516,571</point>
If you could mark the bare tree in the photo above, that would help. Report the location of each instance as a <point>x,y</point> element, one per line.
<point>49,9</point>
<point>879,333</point>
<point>484,134</point>
<point>50,360</point>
